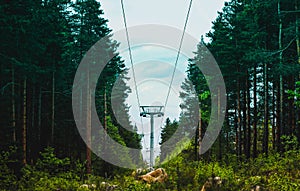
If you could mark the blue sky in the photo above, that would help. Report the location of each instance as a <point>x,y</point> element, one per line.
<point>154,65</point>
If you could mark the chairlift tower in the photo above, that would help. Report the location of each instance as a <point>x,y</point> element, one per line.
<point>151,112</point>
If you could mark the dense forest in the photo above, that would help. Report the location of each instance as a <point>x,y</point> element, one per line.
<point>257,47</point>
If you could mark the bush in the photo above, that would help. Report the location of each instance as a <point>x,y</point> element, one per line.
<point>230,180</point>
<point>50,173</point>
<point>8,180</point>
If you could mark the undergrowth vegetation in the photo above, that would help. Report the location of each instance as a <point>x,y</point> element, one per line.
<point>275,172</point>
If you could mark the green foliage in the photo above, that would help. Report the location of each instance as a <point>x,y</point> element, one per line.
<point>295,94</point>
<point>282,182</point>
<point>290,143</point>
<point>50,173</point>
<point>166,133</point>
<point>226,173</point>
<point>275,172</point>
<point>7,176</point>
<point>49,163</point>
<point>55,183</point>
<point>204,99</point>
<point>128,183</point>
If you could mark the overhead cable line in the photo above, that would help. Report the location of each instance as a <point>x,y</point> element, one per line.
<point>131,61</point>
<point>178,54</point>
<point>130,52</point>
<point>179,50</point>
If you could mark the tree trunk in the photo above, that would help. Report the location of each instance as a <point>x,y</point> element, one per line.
<point>280,64</point>
<point>88,127</point>
<point>254,114</point>
<point>200,134</point>
<point>236,129</point>
<point>33,133</point>
<point>105,167</point>
<point>274,116</point>
<point>248,138</point>
<point>245,119</point>
<point>39,120</point>
<point>24,124</point>
<point>195,144</point>
<point>297,116</point>
<point>220,135</point>
<point>291,109</point>
<point>278,119</point>
<point>53,108</point>
<point>239,128</point>
<point>227,129</point>
<point>105,111</point>
<point>13,104</point>
<point>266,110</point>
<point>297,31</point>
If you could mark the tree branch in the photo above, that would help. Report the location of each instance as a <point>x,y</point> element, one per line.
<point>4,87</point>
<point>290,11</point>
<point>284,49</point>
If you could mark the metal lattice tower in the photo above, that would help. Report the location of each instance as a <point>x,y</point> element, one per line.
<point>151,112</point>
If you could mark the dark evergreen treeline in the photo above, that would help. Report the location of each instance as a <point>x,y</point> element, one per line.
<point>42,43</point>
<point>256,44</point>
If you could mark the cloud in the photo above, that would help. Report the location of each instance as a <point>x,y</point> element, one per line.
<point>166,12</point>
